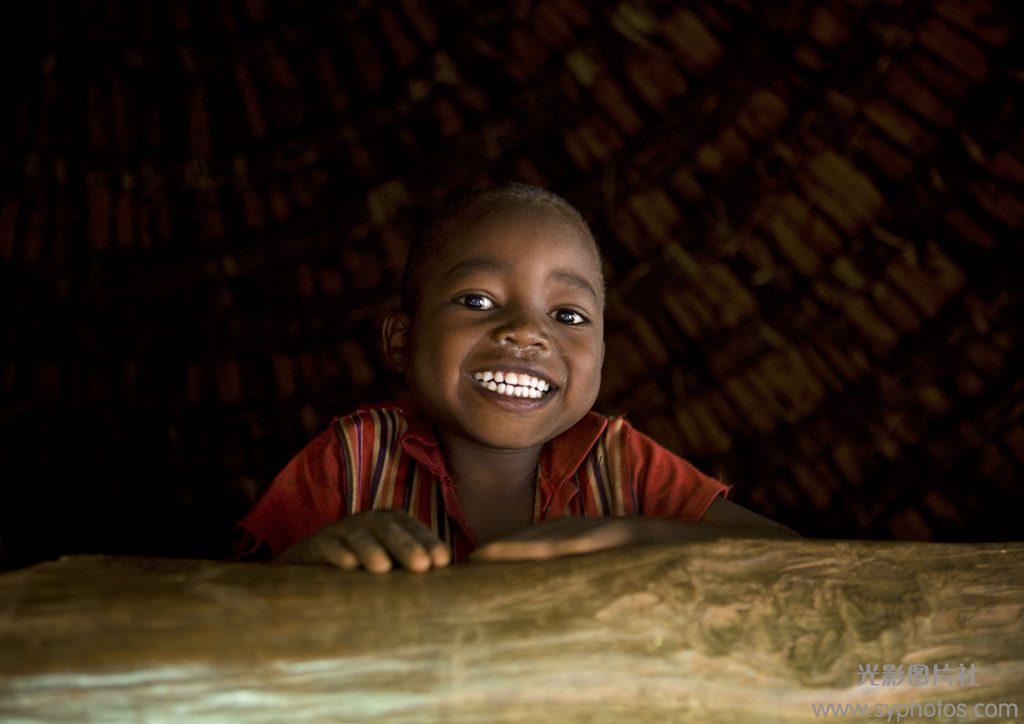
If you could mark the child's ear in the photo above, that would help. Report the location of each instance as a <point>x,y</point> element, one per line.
<point>395,334</point>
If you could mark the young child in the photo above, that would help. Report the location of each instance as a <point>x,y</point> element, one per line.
<point>493,450</point>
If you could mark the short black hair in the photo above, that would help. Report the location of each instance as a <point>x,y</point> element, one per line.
<point>475,204</point>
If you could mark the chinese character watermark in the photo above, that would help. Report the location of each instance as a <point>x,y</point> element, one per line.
<point>916,675</point>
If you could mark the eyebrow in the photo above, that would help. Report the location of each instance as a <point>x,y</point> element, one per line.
<point>476,263</point>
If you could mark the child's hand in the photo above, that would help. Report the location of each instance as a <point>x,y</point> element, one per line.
<point>562,537</point>
<point>371,538</point>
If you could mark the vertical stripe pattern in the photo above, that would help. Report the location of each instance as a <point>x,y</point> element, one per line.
<point>380,474</point>
<point>603,480</point>
<point>385,476</point>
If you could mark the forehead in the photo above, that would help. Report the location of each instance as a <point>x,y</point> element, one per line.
<point>513,232</point>
<point>551,249</point>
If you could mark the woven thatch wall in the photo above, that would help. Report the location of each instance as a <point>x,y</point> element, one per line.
<point>811,212</point>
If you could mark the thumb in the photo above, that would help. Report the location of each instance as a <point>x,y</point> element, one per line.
<point>491,551</point>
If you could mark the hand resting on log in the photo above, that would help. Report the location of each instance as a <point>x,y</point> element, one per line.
<point>576,534</point>
<point>371,538</point>
<point>375,539</point>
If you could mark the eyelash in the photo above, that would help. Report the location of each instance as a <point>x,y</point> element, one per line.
<point>483,296</point>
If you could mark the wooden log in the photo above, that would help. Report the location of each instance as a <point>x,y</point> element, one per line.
<point>696,47</point>
<point>421,19</point>
<point>654,78</point>
<point>727,630</point>
<point>551,27</point>
<point>254,116</point>
<point>613,101</point>
<point>403,47</point>
<point>8,228</point>
<point>956,50</point>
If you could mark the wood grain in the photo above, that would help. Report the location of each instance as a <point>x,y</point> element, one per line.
<point>710,631</point>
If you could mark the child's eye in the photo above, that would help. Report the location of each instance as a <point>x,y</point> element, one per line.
<point>475,296</point>
<point>583,319</point>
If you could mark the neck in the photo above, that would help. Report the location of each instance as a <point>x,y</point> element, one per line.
<point>477,468</point>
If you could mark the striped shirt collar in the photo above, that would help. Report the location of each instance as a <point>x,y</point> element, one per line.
<point>561,457</point>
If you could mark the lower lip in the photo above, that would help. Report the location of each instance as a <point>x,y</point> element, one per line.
<point>517,404</point>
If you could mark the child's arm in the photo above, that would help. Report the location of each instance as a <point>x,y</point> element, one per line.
<point>569,536</point>
<point>677,503</point>
<point>670,487</point>
<point>300,519</point>
<point>726,513</point>
<point>303,498</point>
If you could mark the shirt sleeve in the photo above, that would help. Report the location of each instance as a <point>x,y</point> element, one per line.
<point>304,497</point>
<point>668,486</point>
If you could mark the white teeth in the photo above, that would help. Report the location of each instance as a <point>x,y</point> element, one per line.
<point>511,390</point>
<point>514,384</point>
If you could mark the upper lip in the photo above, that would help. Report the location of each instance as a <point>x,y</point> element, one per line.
<point>518,368</point>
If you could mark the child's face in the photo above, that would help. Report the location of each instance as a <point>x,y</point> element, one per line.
<point>501,295</point>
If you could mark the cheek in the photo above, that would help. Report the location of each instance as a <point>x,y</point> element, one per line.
<point>585,357</point>
<point>442,354</point>
<point>423,357</point>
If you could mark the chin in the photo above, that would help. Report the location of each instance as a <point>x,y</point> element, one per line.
<point>508,442</point>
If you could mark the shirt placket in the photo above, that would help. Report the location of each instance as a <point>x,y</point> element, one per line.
<point>453,509</point>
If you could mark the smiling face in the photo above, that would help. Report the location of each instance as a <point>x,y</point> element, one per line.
<point>520,289</point>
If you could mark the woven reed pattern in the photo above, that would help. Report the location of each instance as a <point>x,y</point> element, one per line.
<point>811,212</point>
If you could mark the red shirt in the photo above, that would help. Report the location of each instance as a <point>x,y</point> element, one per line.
<point>386,456</point>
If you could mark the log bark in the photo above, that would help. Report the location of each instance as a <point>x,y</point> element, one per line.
<point>726,630</point>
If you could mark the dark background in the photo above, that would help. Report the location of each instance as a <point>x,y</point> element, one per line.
<point>811,212</point>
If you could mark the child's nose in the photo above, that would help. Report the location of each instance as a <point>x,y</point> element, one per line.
<point>523,331</point>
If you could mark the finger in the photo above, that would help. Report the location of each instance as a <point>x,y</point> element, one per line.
<point>403,546</point>
<point>544,529</point>
<point>515,550</point>
<point>556,538</point>
<point>437,549</point>
<point>371,554</point>
<point>610,534</point>
<point>334,551</point>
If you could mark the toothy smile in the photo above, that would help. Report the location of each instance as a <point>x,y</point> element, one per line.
<point>513,384</point>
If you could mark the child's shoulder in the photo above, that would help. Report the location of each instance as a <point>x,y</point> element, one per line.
<point>591,429</point>
<point>363,407</point>
<point>402,409</point>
